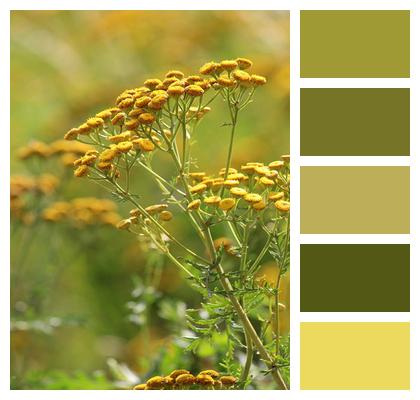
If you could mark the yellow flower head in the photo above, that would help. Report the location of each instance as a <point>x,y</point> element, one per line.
<point>158,101</point>
<point>238,192</point>
<point>193,78</point>
<point>204,380</point>
<point>231,182</point>
<point>157,382</point>
<point>72,134</point>
<point>142,101</point>
<point>200,187</point>
<point>175,74</point>
<point>203,84</point>
<point>211,372</point>
<point>231,171</point>
<point>118,119</point>
<point>108,155</point>
<point>282,205</point>
<point>143,144</point>
<point>84,129</point>
<point>274,196</point>
<point>208,68</point>
<point>196,175</point>
<point>124,224</point>
<point>242,77</point>
<point>194,90</point>
<point>194,205</point>
<point>244,63</point>
<point>267,181</point>
<point>237,176</point>
<point>135,212</point>
<point>174,374</point>
<point>227,204</point>
<point>152,83</point>
<point>156,208</point>
<point>104,165</point>
<point>95,122</point>
<point>126,103</point>
<point>146,118</point>
<point>258,80</point>
<point>228,380</point>
<point>132,123</point>
<point>262,170</point>
<point>142,386</point>
<point>122,137</point>
<point>81,171</point>
<point>212,200</point>
<point>225,81</point>
<point>259,206</point>
<point>124,147</point>
<point>105,114</point>
<point>286,158</point>
<point>253,198</point>
<point>88,160</point>
<point>175,90</point>
<point>229,65</point>
<point>185,380</point>
<point>169,81</point>
<point>165,216</point>
<point>276,165</point>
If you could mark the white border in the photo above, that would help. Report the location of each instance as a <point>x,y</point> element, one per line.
<point>294,6</point>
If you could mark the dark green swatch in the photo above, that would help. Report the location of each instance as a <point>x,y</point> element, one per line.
<point>355,278</point>
<point>355,44</point>
<point>355,122</point>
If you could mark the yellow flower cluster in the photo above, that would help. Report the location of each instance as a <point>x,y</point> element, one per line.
<point>132,126</point>
<point>158,211</point>
<point>82,211</point>
<point>67,151</point>
<point>22,187</point>
<point>182,379</point>
<point>255,185</point>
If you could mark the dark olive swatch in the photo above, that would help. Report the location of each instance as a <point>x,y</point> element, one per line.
<point>355,277</point>
<point>355,122</point>
<point>355,44</point>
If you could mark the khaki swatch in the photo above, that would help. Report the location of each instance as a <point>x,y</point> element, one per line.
<point>355,200</point>
<point>355,355</point>
<point>355,44</point>
<point>355,122</point>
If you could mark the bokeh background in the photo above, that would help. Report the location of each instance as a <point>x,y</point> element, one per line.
<point>84,311</point>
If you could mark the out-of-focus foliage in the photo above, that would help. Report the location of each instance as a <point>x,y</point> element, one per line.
<point>72,287</point>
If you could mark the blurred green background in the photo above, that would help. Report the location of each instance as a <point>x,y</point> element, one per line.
<point>69,305</point>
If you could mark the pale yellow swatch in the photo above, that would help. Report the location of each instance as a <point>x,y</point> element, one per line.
<point>355,200</point>
<point>355,355</point>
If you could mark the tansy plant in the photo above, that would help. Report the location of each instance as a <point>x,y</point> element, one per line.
<point>160,119</point>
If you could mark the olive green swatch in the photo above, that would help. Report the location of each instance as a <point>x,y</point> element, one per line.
<point>355,44</point>
<point>355,356</point>
<point>355,277</point>
<point>366,200</point>
<point>355,122</point>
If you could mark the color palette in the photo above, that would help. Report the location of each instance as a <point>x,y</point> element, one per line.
<point>369,197</point>
<point>355,122</point>
<point>355,355</point>
<point>355,44</point>
<point>355,200</point>
<point>355,277</point>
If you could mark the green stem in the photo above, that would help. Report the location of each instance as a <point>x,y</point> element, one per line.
<point>248,361</point>
<point>254,267</point>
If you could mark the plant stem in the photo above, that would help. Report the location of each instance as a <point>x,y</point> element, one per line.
<point>248,362</point>
<point>234,119</point>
